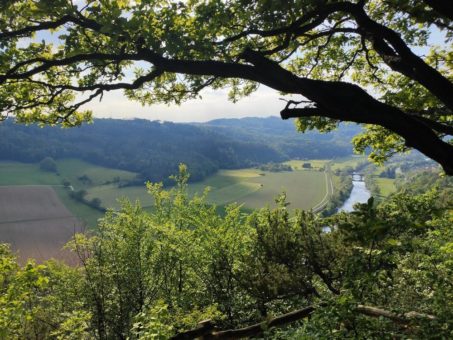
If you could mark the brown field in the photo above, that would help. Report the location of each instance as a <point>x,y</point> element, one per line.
<point>35,222</point>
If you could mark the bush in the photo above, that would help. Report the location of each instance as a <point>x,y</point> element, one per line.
<point>48,164</point>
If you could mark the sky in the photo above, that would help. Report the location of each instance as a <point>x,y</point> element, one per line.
<point>214,104</point>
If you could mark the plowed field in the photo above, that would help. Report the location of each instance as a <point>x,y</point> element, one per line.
<point>35,222</point>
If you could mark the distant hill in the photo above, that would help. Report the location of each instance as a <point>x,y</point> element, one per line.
<point>282,136</point>
<point>276,126</point>
<point>154,149</point>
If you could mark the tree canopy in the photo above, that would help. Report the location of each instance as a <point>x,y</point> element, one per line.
<point>371,62</point>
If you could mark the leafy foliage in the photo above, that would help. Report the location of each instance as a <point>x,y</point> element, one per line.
<point>168,52</point>
<point>151,275</point>
<point>48,164</point>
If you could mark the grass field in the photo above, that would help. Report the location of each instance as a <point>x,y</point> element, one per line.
<point>36,223</point>
<point>386,186</point>
<point>15,173</point>
<point>315,163</point>
<point>345,162</point>
<point>109,195</point>
<point>72,169</point>
<point>251,187</point>
<point>304,189</point>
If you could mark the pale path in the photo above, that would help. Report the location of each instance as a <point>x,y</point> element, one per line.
<point>318,207</point>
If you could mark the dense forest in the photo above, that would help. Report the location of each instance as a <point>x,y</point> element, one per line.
<point>154,149</point>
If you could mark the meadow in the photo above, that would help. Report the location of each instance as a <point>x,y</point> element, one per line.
<point>251,187</point>
<point>386,186</point>
<point>26,174</point>
<point>40,192</point>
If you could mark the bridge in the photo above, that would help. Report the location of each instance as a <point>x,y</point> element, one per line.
<point>357,176</point>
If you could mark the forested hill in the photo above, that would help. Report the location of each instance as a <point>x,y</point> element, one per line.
<point>155,149</point>
<point>282,135</point>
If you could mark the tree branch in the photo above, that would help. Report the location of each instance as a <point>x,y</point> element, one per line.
<point>443,7</point>
<point>28,30</point>
<point>206,329</point>
<point>396,54</point>
<point>387,43</point>
<point>398,318</point>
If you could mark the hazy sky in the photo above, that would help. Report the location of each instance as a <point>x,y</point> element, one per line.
<point>214,104</point>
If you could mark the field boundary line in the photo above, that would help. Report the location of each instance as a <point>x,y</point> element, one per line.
<point>32,185</point>
<point>38,219</point>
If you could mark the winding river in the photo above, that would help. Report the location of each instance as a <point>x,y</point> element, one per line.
<point>359,194</point>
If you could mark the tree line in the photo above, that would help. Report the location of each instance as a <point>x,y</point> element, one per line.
<point>154,149</point>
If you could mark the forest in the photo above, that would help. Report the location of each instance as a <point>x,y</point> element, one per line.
<point>181,269</point>
<point>155,149</point>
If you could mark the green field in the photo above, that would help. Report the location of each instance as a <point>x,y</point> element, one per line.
<point>72,169</point>
<point>315,163</point>
<point>251,187</point>
<point>305,189</point>
<point>109,195</point>
<point>386,186</point>
<point>15,173</point>
<point>345,162</point>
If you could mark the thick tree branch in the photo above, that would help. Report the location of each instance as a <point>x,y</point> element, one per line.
<point>400,57</point>
<point>348,102</point>
<point>206,329</point>
<point>398,318</point>
<point>387,43</point>
<point>443,7</point>
<point>337,100</point>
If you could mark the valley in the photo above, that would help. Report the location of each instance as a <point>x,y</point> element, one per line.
<point>83,182</point>
<point>251,187</point>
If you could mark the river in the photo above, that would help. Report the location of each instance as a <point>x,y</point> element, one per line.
<point>359,194</point>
